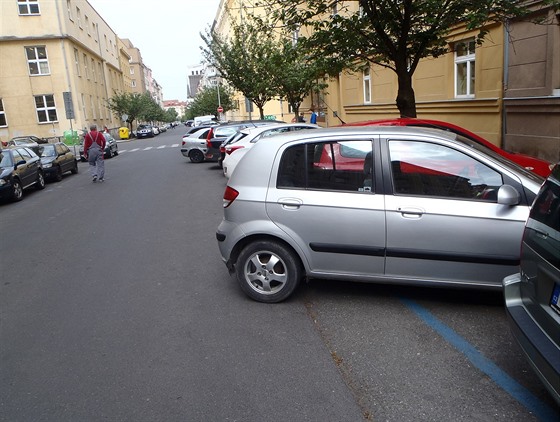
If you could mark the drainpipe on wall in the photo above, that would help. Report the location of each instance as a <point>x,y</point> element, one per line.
<point>505,83</point>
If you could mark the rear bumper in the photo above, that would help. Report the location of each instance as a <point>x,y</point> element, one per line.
<point>541,351</point>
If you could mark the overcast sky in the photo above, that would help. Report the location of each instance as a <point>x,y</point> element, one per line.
<point>166,32</point>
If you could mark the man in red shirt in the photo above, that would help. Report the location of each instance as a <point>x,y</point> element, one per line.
<point>94,149</point>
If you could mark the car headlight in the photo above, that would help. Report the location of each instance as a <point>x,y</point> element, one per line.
<point>3,182</point>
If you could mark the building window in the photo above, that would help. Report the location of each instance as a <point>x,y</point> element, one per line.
<point>37,60</point>
<point>133,83</point>
<point>100,73</point>
<point>82,97</point>
<point>3,122</point>
<point>69,8</point>
<point>28,7</point>
<point>46,109</point>
<point>367,86</point>
<point>79,16</point>
<point>92,107</point>
<point>77,61</point>
<point>464,68</point>
<point>132,71</point>
<point>93,70</point>
<point>87,26</point>
<point>86,66</point>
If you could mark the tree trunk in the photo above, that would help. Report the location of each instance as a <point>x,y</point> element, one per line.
<point>261,112</point>
<point>406,101</point>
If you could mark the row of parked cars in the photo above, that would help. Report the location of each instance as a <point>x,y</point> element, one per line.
<point>396,201</point>
<point>29,161</point>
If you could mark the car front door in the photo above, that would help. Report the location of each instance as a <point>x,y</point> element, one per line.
<point>27,171</point>
<point>444,223</point>
<point>324,199</point>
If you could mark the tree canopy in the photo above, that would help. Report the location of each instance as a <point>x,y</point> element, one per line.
<point>137,106</point>
<point>395,34</point>
<point>206,101</point>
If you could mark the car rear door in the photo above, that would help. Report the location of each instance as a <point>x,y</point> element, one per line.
<point>444,223</point>
<point>323,197</point>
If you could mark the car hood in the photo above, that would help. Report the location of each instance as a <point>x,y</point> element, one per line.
<point>5,171</point>
<point>47,160</point>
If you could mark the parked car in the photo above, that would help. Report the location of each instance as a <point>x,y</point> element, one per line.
<point>221,132</point>
<point>532,296</point>
<point>536,165</point>
<point>111,147</point>
<point>56,160</point>
<point>246,138</point>
<point>396,205</point>
<point>25,140</point>
<point>193,145</point>
<point>20,168</point>
<point>145,131</point>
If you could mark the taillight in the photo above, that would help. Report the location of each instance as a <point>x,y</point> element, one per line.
<point>183,143</point>
<point>229,150</point>
<point>229,196</point>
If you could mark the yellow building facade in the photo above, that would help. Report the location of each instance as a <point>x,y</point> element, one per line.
<point>47,49</point>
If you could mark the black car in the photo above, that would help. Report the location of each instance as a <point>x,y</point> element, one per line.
<point>56,160</point>
<point>145,131</point>
<point>20,168</point>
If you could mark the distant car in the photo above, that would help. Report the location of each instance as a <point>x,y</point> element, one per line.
<point>536,165</point>
<point>145,131</point>
<point>111,147</point>
<point>193,145</point>
<point>29,139</point>
<point>532,296</point>
<point>56,160</point>
<point>20,168</point>
<point>162,128</point>
<point>395,205</point>
<point>246,138</point>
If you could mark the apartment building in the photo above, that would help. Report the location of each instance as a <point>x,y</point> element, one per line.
<point>506,90</point>
<point>48,48</point>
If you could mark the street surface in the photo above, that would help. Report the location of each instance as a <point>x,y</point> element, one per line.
<point>115,305</point>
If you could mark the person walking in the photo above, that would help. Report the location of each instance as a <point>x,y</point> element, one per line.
<point>94,147</point>
<point>313,118</point>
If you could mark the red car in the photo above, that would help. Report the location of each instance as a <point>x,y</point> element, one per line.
<point>536,165</point>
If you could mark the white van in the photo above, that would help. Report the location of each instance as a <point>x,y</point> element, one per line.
<point>200,120</point>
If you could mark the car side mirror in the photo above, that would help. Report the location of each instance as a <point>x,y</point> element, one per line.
<point>19,163</point>
<point>508,195</point>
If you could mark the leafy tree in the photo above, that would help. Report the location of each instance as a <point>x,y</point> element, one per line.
<point>395,34</point>
<point>206,101</point>
<point>131,104</point>
<point>244,61</point>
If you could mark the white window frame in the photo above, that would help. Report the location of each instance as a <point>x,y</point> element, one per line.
<point>28,7</point>
<point>93,111</point>
<point>84,110</point>
<point>367,85</point>
<point>79,17</point>
<point>93,70</point>
<point>87,25</point>
<point>39,62</point>
<point>3,119</point>
<point>86,65</point>
<point>467,63</point>
<point>44,110</point>
<point>133,83</point>
<point>100,72</point>
<point>69,7</point>
<point>77,62</point>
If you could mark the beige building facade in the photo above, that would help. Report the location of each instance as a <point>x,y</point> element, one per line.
<point>60,62</point>
<point>505,91</point>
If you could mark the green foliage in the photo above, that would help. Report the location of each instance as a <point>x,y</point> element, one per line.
<point>136,106</point>
<point>395,34</point>
<point>206,102</point>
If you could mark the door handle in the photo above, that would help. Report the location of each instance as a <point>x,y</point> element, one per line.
<point>290,203</point>
<point>411,212</point>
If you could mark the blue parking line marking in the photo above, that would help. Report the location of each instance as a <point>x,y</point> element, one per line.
<point>541,410</point>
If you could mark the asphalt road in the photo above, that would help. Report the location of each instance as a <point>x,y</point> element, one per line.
<point>115,305</point>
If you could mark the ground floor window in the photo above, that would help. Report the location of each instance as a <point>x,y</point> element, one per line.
<point>46,108</point>
<point>3,121</point>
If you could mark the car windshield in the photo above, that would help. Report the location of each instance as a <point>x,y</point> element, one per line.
<point>47,151</point>
<point>6,160</point>
<point>222,132</point>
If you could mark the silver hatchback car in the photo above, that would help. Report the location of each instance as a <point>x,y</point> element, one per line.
<point>397,205</point>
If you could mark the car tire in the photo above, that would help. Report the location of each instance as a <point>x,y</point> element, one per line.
<point>75,168</point>
<point>116,152</point>
<point>268,271</point>
<point>18,190</point>
<point>196,156</point>
<point>58,174</point>
<point>40,181</point>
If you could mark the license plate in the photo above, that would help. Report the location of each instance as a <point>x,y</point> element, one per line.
<point>555,299</point>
